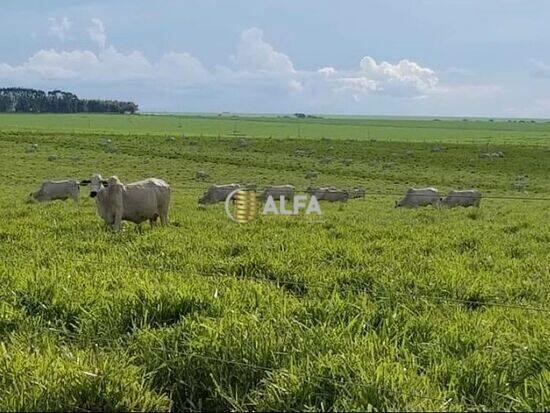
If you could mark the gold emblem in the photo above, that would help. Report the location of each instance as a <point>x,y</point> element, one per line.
<point>246,206</point>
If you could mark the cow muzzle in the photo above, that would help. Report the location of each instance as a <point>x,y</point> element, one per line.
<point>93,194</point>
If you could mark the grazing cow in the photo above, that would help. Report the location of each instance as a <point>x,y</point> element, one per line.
<point>32,148</point>
<point>52,190</point>
<point>492,155</point>
<point>217,193</point>
<point>357,193</point>
<point>278,191</point>
<point>419,197</point>
<point>465,198</point>
<point>329,194</point>
<point>201,175</point>
<point>136,202</point>
<point>249,186</point>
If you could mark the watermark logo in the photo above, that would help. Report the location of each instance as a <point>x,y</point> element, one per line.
<point>246,206</point>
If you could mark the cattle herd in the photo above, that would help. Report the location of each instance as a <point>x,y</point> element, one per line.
<point>149,199</point>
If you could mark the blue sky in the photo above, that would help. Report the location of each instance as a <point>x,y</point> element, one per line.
<point>461,58</point>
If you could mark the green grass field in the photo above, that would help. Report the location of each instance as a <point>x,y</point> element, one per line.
<point>367,307</point>
<point>357,128</point>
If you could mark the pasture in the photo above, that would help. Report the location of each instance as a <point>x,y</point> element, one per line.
<point>367,307</point>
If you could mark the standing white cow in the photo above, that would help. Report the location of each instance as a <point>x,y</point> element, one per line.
<point>52,190</point>
<point>419,197</point>
<point>136,202</point>
<point>464,198</point>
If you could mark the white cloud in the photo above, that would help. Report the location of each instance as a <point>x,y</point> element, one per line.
<point>97,33</point>
<point>356,84</point>
<point>60,28</point>
<point>182,66</point>
<point>541,70</point>
<point>405,78</point>
<point>327,71</point>
<point>295,85</point>
<point>258,71</point>
<point>106,66</point>
<point>255,54</point>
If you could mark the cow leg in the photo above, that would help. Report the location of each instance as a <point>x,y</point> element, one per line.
<point>152,222</point>
<point>164,219</point>
<point>117,225</point>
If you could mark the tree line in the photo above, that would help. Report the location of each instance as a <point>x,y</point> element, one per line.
<point>57,101</point>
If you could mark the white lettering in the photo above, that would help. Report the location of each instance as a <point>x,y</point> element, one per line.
<point>270,207</point>
<point>313,206</point>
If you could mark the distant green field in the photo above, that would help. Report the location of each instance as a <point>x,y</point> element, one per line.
<point>367,307</point>
<point>451,131</point>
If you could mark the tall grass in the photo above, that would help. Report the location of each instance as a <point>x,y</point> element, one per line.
<point>367,308</point>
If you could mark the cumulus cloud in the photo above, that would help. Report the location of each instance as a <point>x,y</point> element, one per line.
<point>403,78</point>
<point>182,66</point>
<point>60,28</point>
<point>97,33</point>
<point>106,66</point>
<point>255,54</point>
<point>257,69</point>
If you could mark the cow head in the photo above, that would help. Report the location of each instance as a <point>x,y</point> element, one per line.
<point>96,184</point>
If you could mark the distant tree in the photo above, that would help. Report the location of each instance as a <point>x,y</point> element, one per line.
<point>6,103</point>
<point>58,101</point>
<point>300,115</point>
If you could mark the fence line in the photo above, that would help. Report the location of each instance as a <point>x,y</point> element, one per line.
<point>401,194</point>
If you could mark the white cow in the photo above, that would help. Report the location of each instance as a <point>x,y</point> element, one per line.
<point>278,191</point>
<point>419,197</point>
<point>329,194</point>
<point>136,202</point>
<point>217,193</point>
<point>358,193</point>
<point>52,190</point>
<point>465,198</point>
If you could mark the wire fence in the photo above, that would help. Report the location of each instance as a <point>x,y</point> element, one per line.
<point>369,193</point>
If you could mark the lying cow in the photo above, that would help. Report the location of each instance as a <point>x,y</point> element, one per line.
<point>465,198</point>
<point>329,194</point>
<point>136,202</point>
<point>419,197</point>
<point>52,190</point>
<point>276,192</point>
<point>217,193</point>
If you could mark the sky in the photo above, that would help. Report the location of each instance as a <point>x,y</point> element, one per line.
<point>486,58</point>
